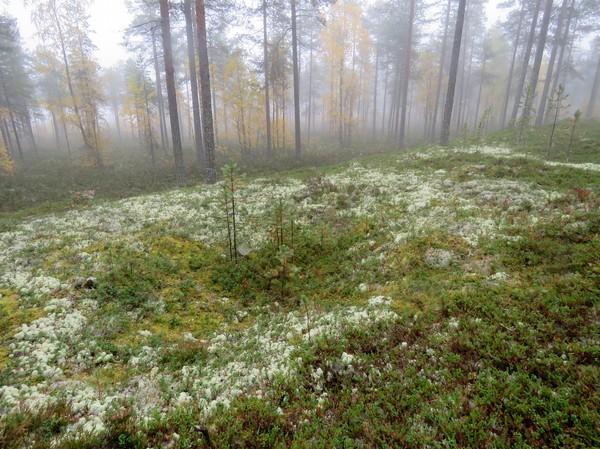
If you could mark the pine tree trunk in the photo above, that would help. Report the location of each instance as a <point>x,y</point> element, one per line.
<point>310,90</point>
<point>115,109</point>
<point>172,93</point>
<point>31,133</point>
<point>66,133</point>
<point>374,129</point>
<point>191,53</point>
<point>527,56</point>
<point>148,124</point>
<point>215,114</point>
<point>537,62</point>
<point>11,117</point>
<point>594,93</point>
<point>406,74</point>
<point>480,90</point>
<point>561,54</point>
<point>298,141</point>
<point>55,127</point>
<point>341,103</point>
<point>6,138</point>
<point>438,89</point>
<point>460,19</point>
<point>266,70</point>
<point>512,66</point>
<point>159,95</point>
<point>539,120</point>
<point>465,75</point>
<point>207,115</point>
<point>16,134</point>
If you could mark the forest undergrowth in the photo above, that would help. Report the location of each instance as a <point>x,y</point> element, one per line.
<point>430,298</point>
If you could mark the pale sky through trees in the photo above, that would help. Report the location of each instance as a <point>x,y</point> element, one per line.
<point>109,19</point>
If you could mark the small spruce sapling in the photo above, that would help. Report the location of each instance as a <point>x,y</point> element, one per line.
<point>229,187</point>
<point>557,103</point>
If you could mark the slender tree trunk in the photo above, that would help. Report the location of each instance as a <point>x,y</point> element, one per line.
<point>10,146</point>
<point>266,70</point>
<point>537,62</point>
<point>12,120</point>
<point>159,95</point>
<point>406,74</point>
<point>207,115</point>
<point>539,120</point>
<point>29,127</point>
<point>438,89</point>
<point>561,54</point>
<point>185,107</point>
<point>172,93</point>
<point>594,94</point>
<point>480,89</point>
<point>66,133</point>
<point>569,61</point>
<point>374,129</point>
<point>198,138</point>
<point>298,141</point>
<point>6,138</point>
<point>464,73</point>
<point>527,56</point>
<point>16,134</point>
<point>148,124</point>
<point>115,108</point>
<point>460,20</point>
<point>310,89</point>
<point>215,110</point>
<point>69,80</point>
<point>341,103</point>
<point>55,127</point>
<point>512,66</point>
<point>385,95</point>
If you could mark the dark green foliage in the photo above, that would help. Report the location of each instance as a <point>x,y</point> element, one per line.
<point>320,264</point>
<point>132,280</point>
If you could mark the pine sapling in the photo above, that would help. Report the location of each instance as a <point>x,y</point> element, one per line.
<point>557,103</point>
<point>229,172</point>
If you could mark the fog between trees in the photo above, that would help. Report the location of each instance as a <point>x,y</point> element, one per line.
<point>248,80</point>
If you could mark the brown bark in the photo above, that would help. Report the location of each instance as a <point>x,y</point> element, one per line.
<point>172,93</point>
<point>207,115</point>
<point>266,73</point>
<point>539,120</point>
<point>406,74</point>
<point>441,71</point>
<point>159,95</point>
<point>512,66</point>
<point>191,52</point>
<point>537,63</point>
<point>297,137</point>
<point>594,93</point>
<point>527,56</point>
<point>460,19</point>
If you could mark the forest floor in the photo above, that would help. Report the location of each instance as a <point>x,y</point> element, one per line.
<point>432,298</point>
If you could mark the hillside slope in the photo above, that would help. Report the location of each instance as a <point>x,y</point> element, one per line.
<point>445,298</point>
